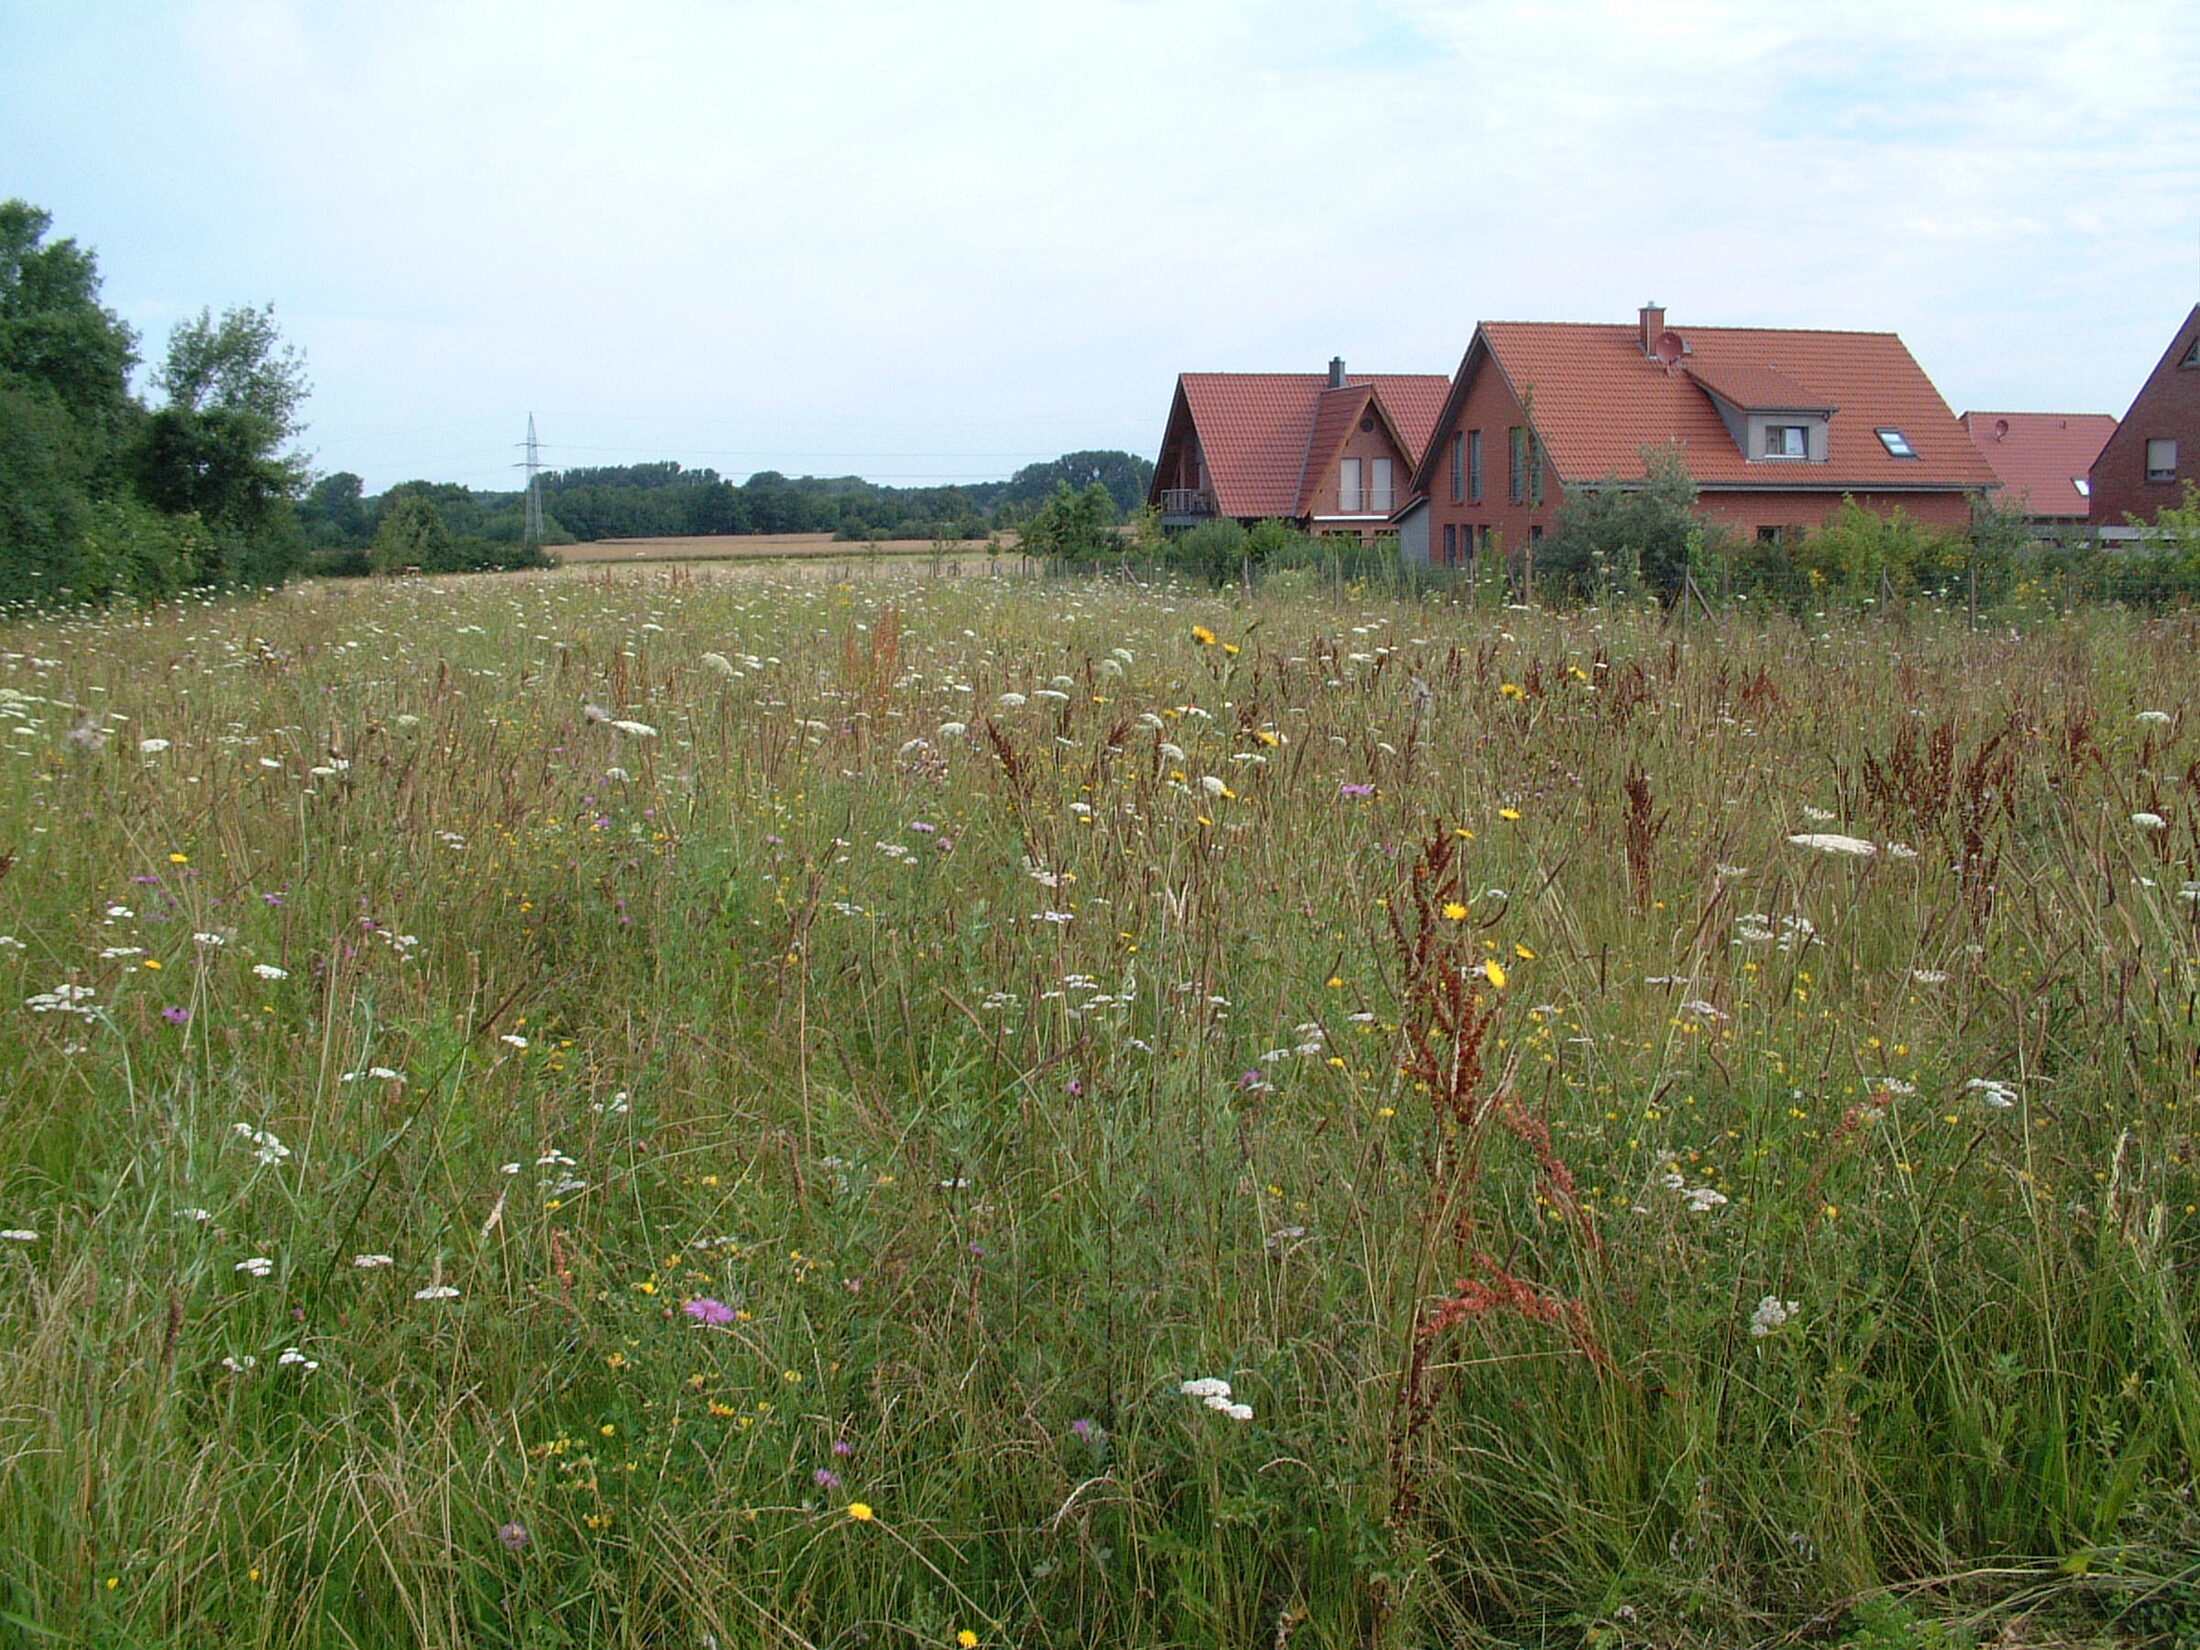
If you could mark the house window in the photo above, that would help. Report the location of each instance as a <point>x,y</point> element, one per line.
<point>1535,534</point>
<point>1787,441</point>
<point>2084,484</point>
<point>1379,493</point>
<point>2192,355</point>
<point>1516,473</point>
<point>1458,467</point>
<point>1451,544</point>
<point>1770,535</point>
<point>1348,487</point>
<point>1896,443</point>
<point>1474,465</point>
<point>2161,460</point>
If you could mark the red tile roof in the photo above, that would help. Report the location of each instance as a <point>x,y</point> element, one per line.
<point>1758,389</point>
<point>1257,429</point>
<point>2043,459</point>
<point>1597,400</point>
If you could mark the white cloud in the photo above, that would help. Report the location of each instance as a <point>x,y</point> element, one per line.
<point>947,236</point>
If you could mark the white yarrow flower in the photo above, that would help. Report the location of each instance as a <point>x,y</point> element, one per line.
<point>435,1292</point>
<point>1772,1314</point>
<point>367,1263</point>
<point>2149,821</point>
<point>264,1145</point>
<point>258,1266</point>
<point>18,1234</point>
<point>268,971</point>
<point>1206,1386</point>
<point>152,747</point>
<point>635,730</point>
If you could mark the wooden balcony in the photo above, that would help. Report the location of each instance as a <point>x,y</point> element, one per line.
<point>1185,507</point>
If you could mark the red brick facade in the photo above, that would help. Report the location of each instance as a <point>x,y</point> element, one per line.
<point>2155,451</point>
<point>1558,406</point>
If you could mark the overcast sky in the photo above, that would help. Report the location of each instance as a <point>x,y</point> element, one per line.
<point>929,240</point>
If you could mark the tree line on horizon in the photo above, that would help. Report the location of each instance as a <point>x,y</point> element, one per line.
<point>348,530</point>
<point>108,494</point>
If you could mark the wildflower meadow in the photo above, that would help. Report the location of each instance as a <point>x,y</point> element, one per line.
<point>666,1109</point>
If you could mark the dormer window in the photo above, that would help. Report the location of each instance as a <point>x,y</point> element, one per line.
<point>1787,441</point>
<point>1896,443</point>
<point>2192,355</point>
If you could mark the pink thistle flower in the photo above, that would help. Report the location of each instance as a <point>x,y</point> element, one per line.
<point>705,1310</point>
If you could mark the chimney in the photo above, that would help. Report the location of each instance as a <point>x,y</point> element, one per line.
<point>1336,372</point>
<point>1653,323</point>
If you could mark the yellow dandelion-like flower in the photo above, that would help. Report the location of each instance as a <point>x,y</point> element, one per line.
<point>1494,972</point>
<point>1508,813</point>
<point>861,1512</point>
<point>1455,911</point>
<point>967,1639</point>
<point>1523,953</point>
<point>1203,636</point>
<point>1511,690</point>
<point>1231,648</point>
<point>179,859</point>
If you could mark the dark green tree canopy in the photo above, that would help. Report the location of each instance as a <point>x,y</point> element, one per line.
<point>55,337</point>
<point>1126,477</point>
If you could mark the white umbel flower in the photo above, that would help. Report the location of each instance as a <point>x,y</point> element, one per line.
<point>1832,842</point>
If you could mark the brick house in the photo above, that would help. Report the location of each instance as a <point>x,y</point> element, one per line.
<point>2156,449</point>
<point>1776,427</point>
<point>1329,453</point>
<point>2044,461</point>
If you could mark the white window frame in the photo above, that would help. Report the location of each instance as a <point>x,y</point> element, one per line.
<point>1787,441</point>
<point>1897,444</point>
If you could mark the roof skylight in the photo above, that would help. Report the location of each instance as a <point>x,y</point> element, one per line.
<point>1896,443</point>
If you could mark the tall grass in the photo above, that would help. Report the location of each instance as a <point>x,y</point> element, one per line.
<point>826,1063</point>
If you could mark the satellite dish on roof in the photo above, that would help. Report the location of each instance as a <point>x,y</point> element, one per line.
<point>1669,347</point>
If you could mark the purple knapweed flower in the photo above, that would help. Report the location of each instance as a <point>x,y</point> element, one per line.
<point>841,1446</point>
<point>705,1310</point>
<point>176,1016</point>
<point>1355,793</point>
<point>826,1479</point>
<point>514,1535</point>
